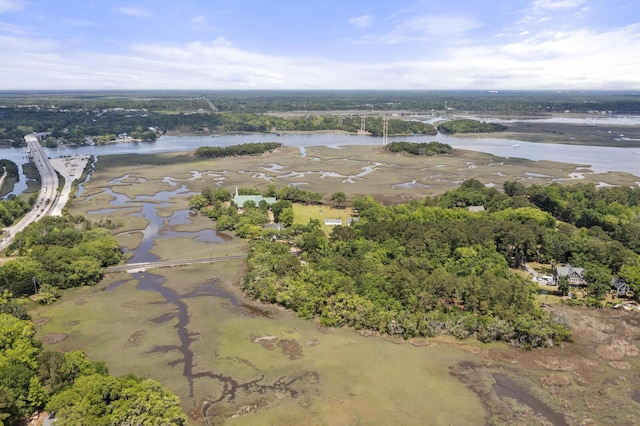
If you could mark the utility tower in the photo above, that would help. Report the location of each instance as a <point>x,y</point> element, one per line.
<point>363,125</point>
<point>385,130</point>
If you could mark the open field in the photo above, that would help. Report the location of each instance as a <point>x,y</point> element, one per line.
<point>234,361</point>
<point>302,214</point>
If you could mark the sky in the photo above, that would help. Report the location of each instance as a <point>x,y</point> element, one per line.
<point>319,44</point>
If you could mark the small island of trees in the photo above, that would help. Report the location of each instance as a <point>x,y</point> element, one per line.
<point>236,150</point>
<point>425,148</point>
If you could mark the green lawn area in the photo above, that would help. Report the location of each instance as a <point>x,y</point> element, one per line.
<point>302,213</point>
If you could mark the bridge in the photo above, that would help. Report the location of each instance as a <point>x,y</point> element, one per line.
<point>143,266</point>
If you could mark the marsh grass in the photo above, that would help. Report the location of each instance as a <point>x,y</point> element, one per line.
<point>361,379</point>
<point>341,376</point>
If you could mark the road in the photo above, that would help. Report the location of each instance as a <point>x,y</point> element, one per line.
<point>47,198</point>
<point>142,266</point>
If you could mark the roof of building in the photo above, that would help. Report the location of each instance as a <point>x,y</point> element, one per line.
<point>239,200</point>
<point>567,270</point>
<point>619,284</point>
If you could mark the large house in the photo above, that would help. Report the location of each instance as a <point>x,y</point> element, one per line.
<point>574,275</point>
<point>239,200</point>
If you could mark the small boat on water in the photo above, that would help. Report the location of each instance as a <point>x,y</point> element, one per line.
<point>516,145</point>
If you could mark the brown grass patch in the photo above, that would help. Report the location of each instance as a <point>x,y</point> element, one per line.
<point>41,321</point>
<point>53,338</point>
<point>291,347</point>
<point>136,338</point>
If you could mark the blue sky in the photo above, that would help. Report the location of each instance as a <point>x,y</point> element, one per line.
<point>320,44</point>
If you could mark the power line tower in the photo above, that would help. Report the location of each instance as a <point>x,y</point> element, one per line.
<point>363,125</point>
<point>385,130</point>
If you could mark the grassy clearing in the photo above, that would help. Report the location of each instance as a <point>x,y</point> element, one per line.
<point>302,214</point>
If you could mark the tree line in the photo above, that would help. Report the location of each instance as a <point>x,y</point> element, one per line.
<point>518,102</point>
<point>74,126</point>
<point>470,126</point>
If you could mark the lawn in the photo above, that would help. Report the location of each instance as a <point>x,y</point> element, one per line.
<point>302,213</point>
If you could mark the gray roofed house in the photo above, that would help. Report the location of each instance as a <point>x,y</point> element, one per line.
<point>574,275</point>
<point>620,287</point>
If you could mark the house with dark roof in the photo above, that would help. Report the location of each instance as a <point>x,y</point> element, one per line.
<point>620,287</point>
<point>573,274</point>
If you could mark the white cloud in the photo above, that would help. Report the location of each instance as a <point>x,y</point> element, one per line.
<point>136,12</point>
<point>363,21</point>
<point>581,59</point>
<point>540,5</point>
<point>425,28</point>
<point>9,28</point>
<point>11,5</point>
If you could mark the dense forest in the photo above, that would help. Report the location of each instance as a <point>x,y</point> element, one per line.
<point>12,209</point>
<point>77,390</point>
<point>470,126</point>
<point>236,150</point>
<point>434,267</point>
<point>72,117</point>
<point>511,102</point>
<point>104,125</point>
<point>57,253</point>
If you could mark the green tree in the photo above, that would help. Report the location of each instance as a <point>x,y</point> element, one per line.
<point>563,285</point>
<point>286,216</point>
<point>37,396</point>
<point>144,401</point>
<point>339,198</point>
<point>598,280</point>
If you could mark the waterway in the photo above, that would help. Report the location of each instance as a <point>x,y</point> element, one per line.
<point>597,158</point>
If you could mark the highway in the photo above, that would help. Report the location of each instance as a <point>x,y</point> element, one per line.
<point>47,198</point>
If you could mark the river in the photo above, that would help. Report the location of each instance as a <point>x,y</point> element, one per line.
<point>598,158</point>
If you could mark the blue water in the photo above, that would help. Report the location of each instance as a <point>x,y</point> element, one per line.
<point>597,158</point>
